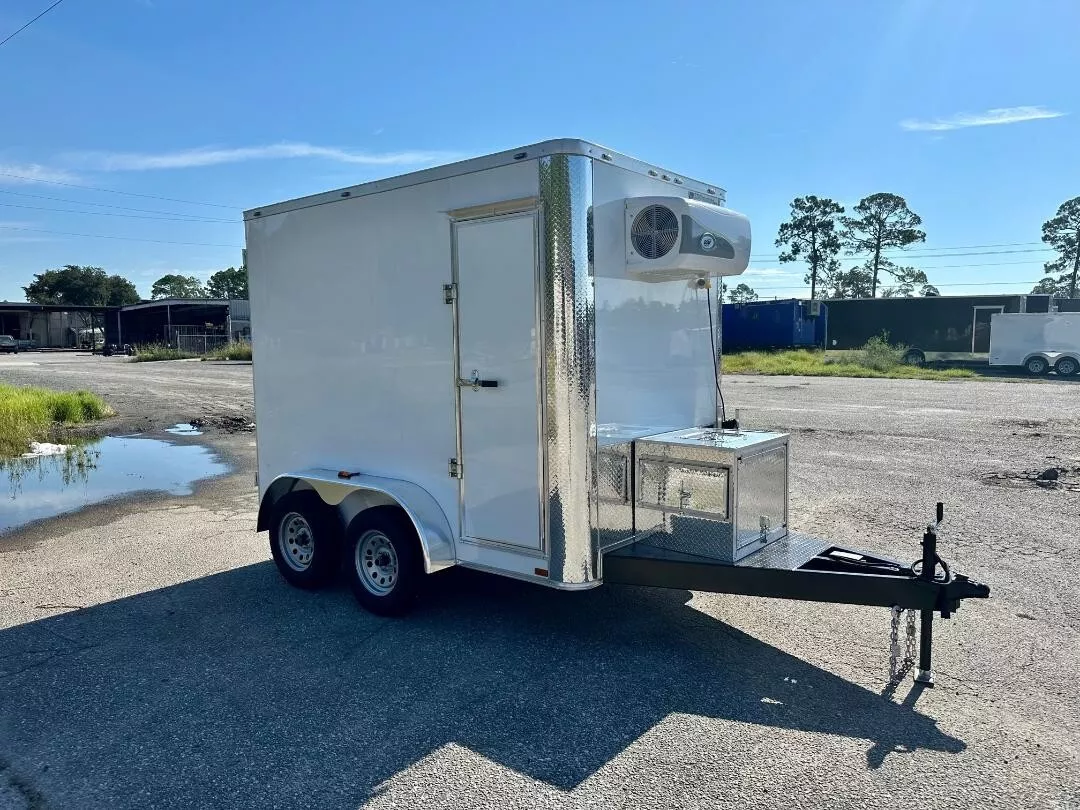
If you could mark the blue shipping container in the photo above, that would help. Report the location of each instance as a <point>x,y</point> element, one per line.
<point>774,325</point>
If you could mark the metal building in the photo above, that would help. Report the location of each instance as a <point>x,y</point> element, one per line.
<point>193,324</point>
<point>53,326</point>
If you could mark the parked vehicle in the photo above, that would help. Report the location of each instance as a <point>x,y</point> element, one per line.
<point>932,327</point>
<point>1037,342</point>
<point>8,344</point>
<point>517,373</point>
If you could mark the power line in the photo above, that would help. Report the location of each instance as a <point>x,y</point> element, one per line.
<point>107,205</point>
<point>983,264</point>
<point>38,17</point>
<point>926,255</point>
<point>956,247</point>
<point>124,238</point>
<point>29,179</point>
<point>953,266</point>
<point>115,214</point>
<point>995,245</point>
<point>954,284</point>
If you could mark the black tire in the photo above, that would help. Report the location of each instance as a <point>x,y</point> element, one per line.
<point>383,561</point>
<point>1067,367</point>
<point>913,357</point>
<point>1036,365</point>
<point>300,522</point>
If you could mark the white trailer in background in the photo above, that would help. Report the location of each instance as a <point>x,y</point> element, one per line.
<point>1037,341</point>
<point>509,364</point>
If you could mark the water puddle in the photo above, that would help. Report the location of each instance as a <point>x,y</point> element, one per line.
<point>36,487</point>
<point>184,429</point>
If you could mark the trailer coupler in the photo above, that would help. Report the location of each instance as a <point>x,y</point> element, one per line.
<point>804,568</point>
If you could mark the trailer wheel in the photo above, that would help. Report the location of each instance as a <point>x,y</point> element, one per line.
<point>913,357</point>
<point>383,561</point>
<point>1037,365</point>
<point>1066,367</point>
<point>304,540</point>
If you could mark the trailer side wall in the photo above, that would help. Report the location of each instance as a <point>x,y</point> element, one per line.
<point>653,358</point>
<point>353,342</point>
<point>933,324</point>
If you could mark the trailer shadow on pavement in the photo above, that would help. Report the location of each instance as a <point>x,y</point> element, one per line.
<point>237,690</point>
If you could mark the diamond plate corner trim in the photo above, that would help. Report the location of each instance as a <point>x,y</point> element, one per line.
<point>569,353</point>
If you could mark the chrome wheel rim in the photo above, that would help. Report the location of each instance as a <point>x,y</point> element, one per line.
<point>1037,366</point>
<point>376,562</point>
<point>1066,368</point>
<point>296,541</point>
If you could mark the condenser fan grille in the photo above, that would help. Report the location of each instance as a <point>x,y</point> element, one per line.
<point>654,231</point>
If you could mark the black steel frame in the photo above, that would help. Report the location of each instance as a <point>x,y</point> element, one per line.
<point>836,575</point>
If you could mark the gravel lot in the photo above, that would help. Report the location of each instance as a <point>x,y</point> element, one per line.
<point>150,656</point>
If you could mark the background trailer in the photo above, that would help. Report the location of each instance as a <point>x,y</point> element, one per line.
<point>514,369</point>
<point>788,324</point>
<point>934,327</point>
<point>1037,342</point>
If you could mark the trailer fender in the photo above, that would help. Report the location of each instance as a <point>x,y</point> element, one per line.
<point>1049,357</point>
<point>352,495</point>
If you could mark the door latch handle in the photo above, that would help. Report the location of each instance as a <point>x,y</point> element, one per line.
<point>475,383</point>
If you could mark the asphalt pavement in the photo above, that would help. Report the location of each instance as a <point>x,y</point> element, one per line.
<point>150,655</point>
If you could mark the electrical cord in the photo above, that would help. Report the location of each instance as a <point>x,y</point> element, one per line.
<point>716,360</point>
<point>14,34</point>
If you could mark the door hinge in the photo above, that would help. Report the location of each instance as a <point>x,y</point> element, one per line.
<point>455,468</point>
<point>449,293</point>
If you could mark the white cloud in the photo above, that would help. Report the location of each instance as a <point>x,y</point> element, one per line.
<point>16,173</point>
<point>212,156</point>
<point>998,115</point>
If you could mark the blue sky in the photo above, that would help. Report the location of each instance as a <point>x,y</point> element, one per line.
<point>968,108</point>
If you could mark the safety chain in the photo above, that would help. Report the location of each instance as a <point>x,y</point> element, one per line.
<point>898,667</point>
<point>909,653</point>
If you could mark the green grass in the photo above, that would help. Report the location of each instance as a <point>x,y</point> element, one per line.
<point>876,359</point>
<point>230,351</point>
<point>160,351</point>
<point>38,414</point>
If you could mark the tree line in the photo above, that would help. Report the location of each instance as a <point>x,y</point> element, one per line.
<point>818,231</point>
<point>83,285</point>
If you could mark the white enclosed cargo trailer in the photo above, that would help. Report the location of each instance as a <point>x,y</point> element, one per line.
<point>1036,341</point>
<point>510,364</point>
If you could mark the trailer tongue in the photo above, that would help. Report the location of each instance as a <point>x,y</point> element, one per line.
<point>810,569</point>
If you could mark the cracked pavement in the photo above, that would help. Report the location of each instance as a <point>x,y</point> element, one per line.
<point>150,656</point>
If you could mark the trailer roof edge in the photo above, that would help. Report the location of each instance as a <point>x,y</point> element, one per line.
<point>558,146</point>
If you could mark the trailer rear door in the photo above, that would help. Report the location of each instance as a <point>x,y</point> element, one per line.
<point>496,274</point>
<point>980,327</point>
